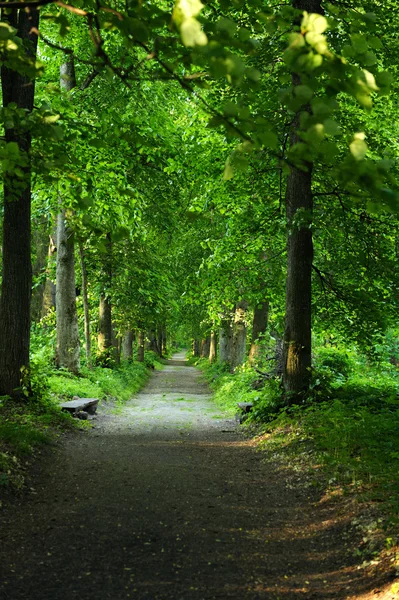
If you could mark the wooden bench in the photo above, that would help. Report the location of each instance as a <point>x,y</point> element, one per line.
<point>245,409</point>
<point>79,405</point>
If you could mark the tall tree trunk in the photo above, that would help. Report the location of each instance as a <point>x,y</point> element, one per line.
<point>226,340</point>
<point>127,345</point>
<point>196,348</point>
<point>16,268</point>
<point>116,345</point>
<point>140,345</point>
<point>239,335</point>
<point>49,292</point>
<point>105,341</point>
<point>68,343</point>
<point>205,346</point>
<point>160,344</point>
<point>104,324</point>
<point>86,309</point>
<point>298,328</point>
<point>40,244</point>
<point>212,346</point>
<point>259,325</point>
<point>164,341</point>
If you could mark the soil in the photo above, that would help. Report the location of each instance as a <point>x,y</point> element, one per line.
<point>165,499</point>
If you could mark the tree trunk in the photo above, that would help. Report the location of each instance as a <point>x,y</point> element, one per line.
<point>226,340</point>
<point>160,343</point>
<point>239,335</point>
<point>127,345</point>
<point>85,303</point>
<point>104,324</point>
<point>68,344</point>
<point>212,347</point>
<point>259,325</point>
<point>49,292</point>
<point>164,344</point>
<point>196,348</point>
<point>116,345</point>
<point>298,328</point>
<point>104,339</point>
<point>205,347</point>
<point>16,268</point>
<point>140,345</point>
<point>39,268</point>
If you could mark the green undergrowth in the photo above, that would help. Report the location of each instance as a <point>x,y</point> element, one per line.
<point>348,425</point>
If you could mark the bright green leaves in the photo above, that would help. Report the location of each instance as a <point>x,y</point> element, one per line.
<point>184,16</point>
<point>307,48</point>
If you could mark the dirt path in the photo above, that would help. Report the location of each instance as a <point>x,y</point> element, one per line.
<point>166,500</point>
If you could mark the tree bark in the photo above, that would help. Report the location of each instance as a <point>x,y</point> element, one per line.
<point>16,289</point>
<point>196,348</point>
<point>212,347</point>
<point>49,292</point>
<point>127,345</point>
<point>164,341</point>
<point>160,341</point>
<point>104,339</point>
<point>140,345</point>
<point>68,343</point>
<point>226,340</point>
<point>239,335</point>
<point>259,325</point>
<point>205,347</point>
<point>104,324</point>
<point>298,329</point>
<point>85,303</point>
<point>40,244</point>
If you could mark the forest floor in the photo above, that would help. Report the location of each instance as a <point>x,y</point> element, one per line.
<point>165,499</point>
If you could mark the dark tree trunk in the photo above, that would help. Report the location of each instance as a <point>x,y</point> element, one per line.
<point>40,234</point>
<point>140,345</point>
<point>239,335</point>
<point>226,340</point>
<point>152,341</point>
<point>212,347</point>
<point>85,303</point>
<point>17,269</point>
<point>127,345</point>
<point>205,347</point>
<point>298,328</point>
<point>164,341</point>
<point>196,348</point>
<point>160,341</point>
<point>259,325</point>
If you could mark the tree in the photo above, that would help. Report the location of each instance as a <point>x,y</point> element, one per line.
<point>18,88</point>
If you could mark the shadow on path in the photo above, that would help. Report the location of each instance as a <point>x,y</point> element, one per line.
<point>166,500</point>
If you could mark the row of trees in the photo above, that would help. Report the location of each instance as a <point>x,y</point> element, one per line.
<point>128,148</point>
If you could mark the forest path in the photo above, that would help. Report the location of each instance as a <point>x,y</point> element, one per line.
<point>166,500</point>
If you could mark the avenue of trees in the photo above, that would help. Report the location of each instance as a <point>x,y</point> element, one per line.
<point>223,173</point>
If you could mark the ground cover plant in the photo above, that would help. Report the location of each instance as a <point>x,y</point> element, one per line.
<point>350,420</point>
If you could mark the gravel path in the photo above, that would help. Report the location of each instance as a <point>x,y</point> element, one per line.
<point>165,499</point>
